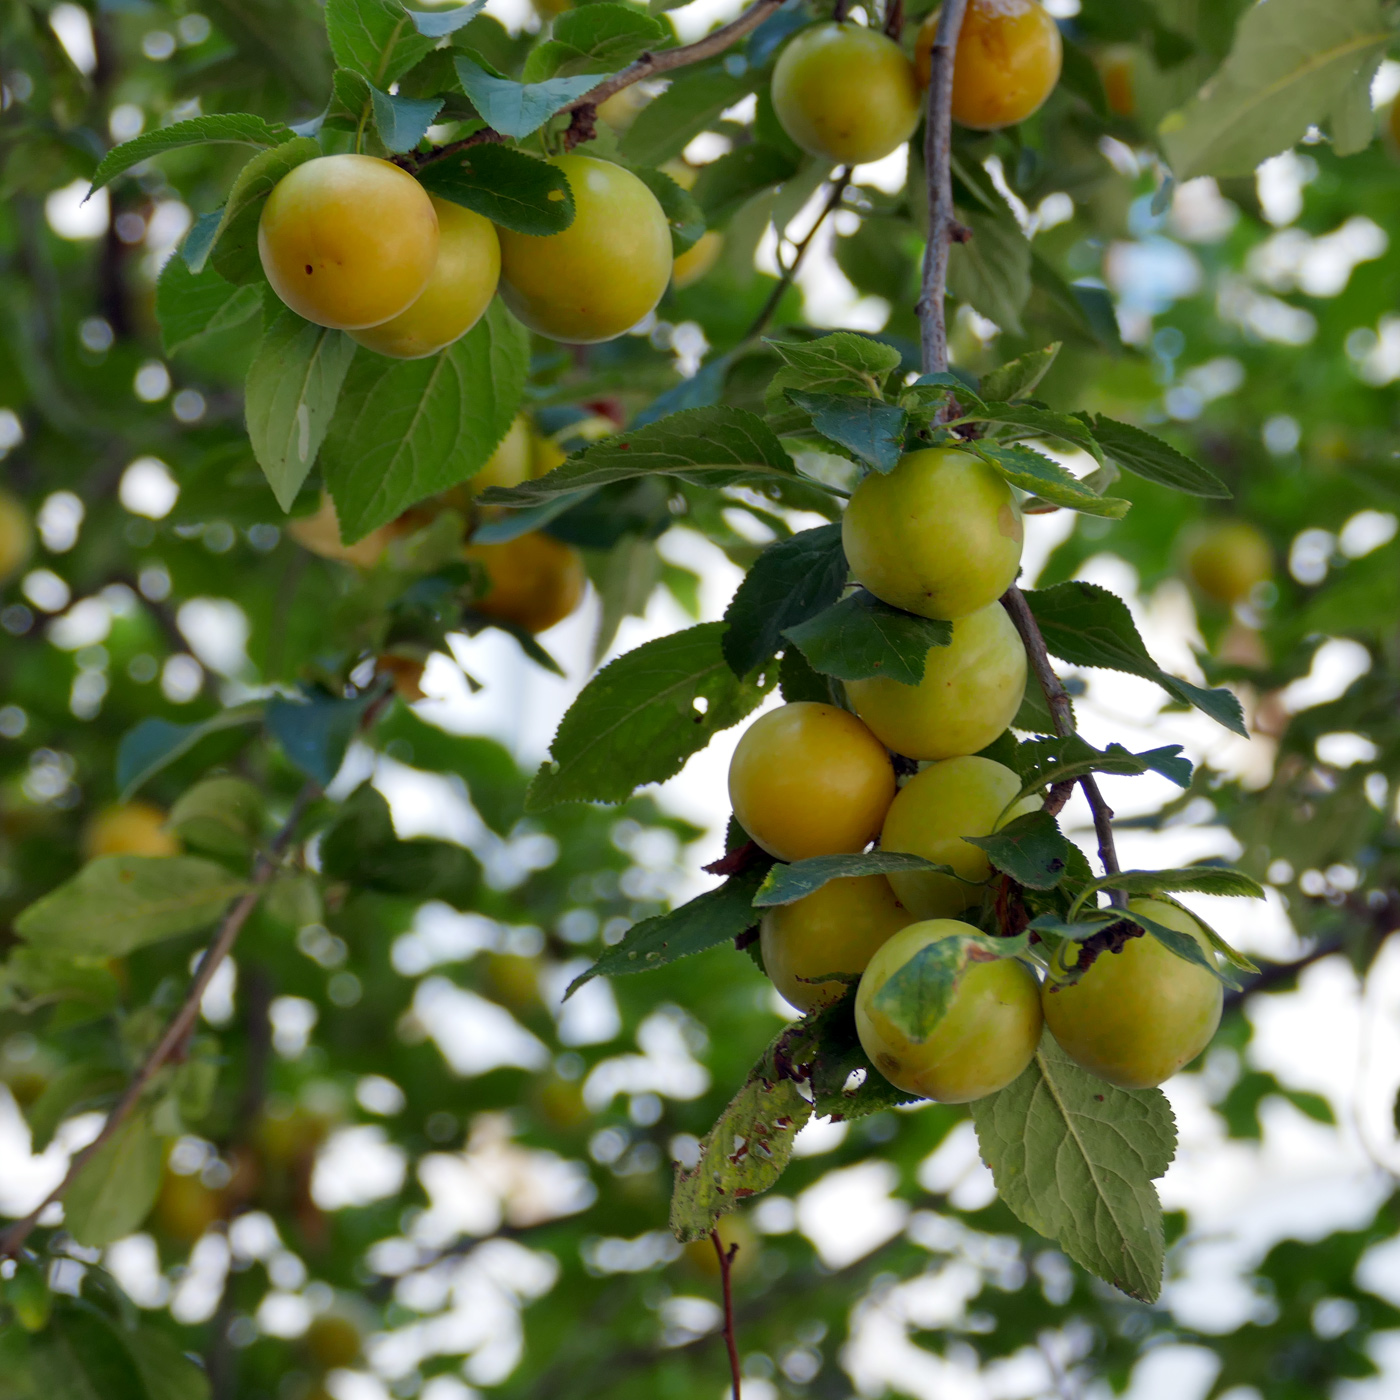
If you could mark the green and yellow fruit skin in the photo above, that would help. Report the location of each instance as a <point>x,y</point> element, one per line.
<point>511,462</point>
<point>1136,1017</point>
<point>987,1037</point>
<point>836,928</point>
<point>1225,559</point>
<point>940,535</point>
<point>845,93</point>
<point>460,289</point>
<point>348,241</point>
<point>810,780</point>
<point>603,273</point>
<point>934,811</point>
<point>969,694</point>
<point>16,536</point>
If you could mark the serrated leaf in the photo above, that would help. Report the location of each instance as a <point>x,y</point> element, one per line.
<point>1033,471</point>
<point>1077,929</point>
<point>596,38</point>
<point>1074,1158</point>
<point>405,429</point>
<point>991,272</point>
<point>376,38</point>
<point>154,744</point>
<point>1029,421</point>
<point>190,306</point>
<point>842,362</point>
<point>116,904</point>
<point>713,447</point>
<point>1181,944</point>
<point>517,109</point>
<point>724,186</point>
<point>744,1153</point>
<point>1088,626</point>
<point>506,186</point>
<point>234,248</point>
<point>1017,378</point>
<point>315,732</point>
<point>785,884</point>
<point>1152,459</point>
<point>1064,760</point>
<point>826,1044</point>
<point>437,24</point>
<point>917,995</point>
<point>869,429</point>
<point>1195,879</point>
<point>402,122</point>
<point>861,637</point>
<point>239,128</point>
<point>291,392</point>
<point>1029,848</point>
<point>718,916</point>
<point>1290,67</point>
<point>117,1186</point>
<point>684,217</point>
<point>696,96</point>
<point>642,716</point>
<point>792,580</point>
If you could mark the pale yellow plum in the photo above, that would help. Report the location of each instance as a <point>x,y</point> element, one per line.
<point>510,463</point>
<point>940,535</point>
<point>691,265</point>
<point>986,1038</point>
<point>1226,558</point>
<point>1137,1016</point>
<point>603,273</point>
<point>129,829</point>
<point>348,241</point>
<point>460,289</point>
<point>536,580</point>
<point>970,692</point>
<point>935,810</point>
<point>1007,62</point>
<point>845,93</point>
<point>809,779</point>
<point>836,928</point>
<point>320,533</point>
<point>16,536</point>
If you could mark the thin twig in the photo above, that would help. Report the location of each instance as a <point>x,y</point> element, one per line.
<point>938,141</point>
<point>182,1023</point>
<point>726,1265</point>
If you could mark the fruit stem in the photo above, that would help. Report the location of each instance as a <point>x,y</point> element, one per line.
<point>177,1033</point>
<point>726,1264</point>
<point>942,223</point>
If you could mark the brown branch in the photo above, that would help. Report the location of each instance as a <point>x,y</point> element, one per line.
<point>726,1265</point>
<point>178,1031</point>
<point>938,140</point>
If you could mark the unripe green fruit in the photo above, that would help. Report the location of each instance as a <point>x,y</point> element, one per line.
<point>940,535</point>
<point>1137,1016</point>
<point>845,93</point>
<point>934,811</point>
<point>16,536</point>
<point>984,1041</point>
<point>834,929</point>
<point>970,692</point>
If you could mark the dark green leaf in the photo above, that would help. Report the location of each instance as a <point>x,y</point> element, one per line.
<point>1182,944</point>
<point>1033,471</point>
<point>517,109</point>
<point>792,580</point>
<point>916,996</point>
<point>80,1356</point>
<point>1028,421</point>
<point>992,271</point>
<point>191,305</point>
<point>73,1089</point>
<point>600,37</point>
<point>166,1372</point>
<point>376,38</point>
<point>155,744</point>
<point>827,1043</point>
<point>1149,457</point>
<point>117,1186</point>
<point>842,362</point>
<point>1197,879</point>
<point>1017,378</point>
<point>785,884</point>
<point>861,637</point>
<point>1064,760</point>
<point>728,183</point>
<point>506,186</point>
<point>237,127</point>
<point>642,716</point>
<point>873,431</point>
<point>235,241</point>
<point>315,732</point>
<point>683,215</point>
<point>1029,848</point>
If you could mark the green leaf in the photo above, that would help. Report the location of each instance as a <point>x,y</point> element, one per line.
<point>166,1372</point>
<point>642,716</point>
<point>861,637</point>
<point>683,215</point>
<point>80,1356</point>
<point>1078,929</point>
<point>871,430</point>
<point>438,24</point>
<point>506,186</point>
<point>117,1186</point>
<point>190,306</point>
<point>1154,460</point>
<point>1029,848</point>
<point>155,744</point>
<point>744,1153</point>
<point>73,1089</point>
<point>402,122</point>
<point>840,363</point>
<point>715,917</point>
<point>237,127</point>
<point>1064,760</point>
<point>711,447</point>
<point>1074,1158</point>
<point>223,816</point>
<point>408,428</point>
<point>1196,879</point>
<point>826,1043</point>
<point>792,580</point>
<point>916,996</point>
<point>1181,944</point>
<point>196,244</point>
<point>1029,421</point>
<point>1017,378</point>
<point>376,38</point>
<point>517,109</point>
<point>724,186</point>
<point>595,38</point>
<point>116,904</point>
<point>1088,626</point>
<point>785,884</point>
<point>315,732</point>
<point>696,96</point>
<point>291,392</point>
<point>1292,66</point>
<point>1033,471</point>
<point>992,271</point>
<point>235,241</point>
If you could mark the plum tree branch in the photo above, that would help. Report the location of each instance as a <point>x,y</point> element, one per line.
<point>726,1265</point>
<point>178,1030</point>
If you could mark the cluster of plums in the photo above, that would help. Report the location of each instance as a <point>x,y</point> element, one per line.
<point>941,536</point>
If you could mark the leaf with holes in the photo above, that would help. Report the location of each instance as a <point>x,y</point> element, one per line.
<point>861,637</point>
